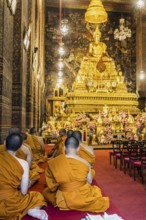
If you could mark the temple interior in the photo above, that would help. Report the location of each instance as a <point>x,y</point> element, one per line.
<point>78,65</point>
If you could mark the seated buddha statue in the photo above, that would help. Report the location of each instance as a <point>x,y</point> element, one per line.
<point>97,48</point>
<point>120,78</point>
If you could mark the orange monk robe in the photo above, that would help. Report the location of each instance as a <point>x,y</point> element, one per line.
<point>13,204</point>
<point>67,187</point>
<point>88,156</point>
<point>33,142</point>
<point>2,148</point>
<point>83,153</point>
<point>59,147</point>
<point>33,163</point>
<point>33,174</point>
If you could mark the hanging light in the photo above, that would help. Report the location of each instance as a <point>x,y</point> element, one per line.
<point>61,51</point>
<point>60,81</point>
<point>123,32</point>
<point>60,73</point>
<point>140,3</point>
<point>142,75</point>
<point>64,27</point>
<point>60,64</point>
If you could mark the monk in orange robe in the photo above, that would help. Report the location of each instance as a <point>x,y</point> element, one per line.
<point>85,151</point>
<point>2,148</point>
<point>37,150</point>
<point>26,154</point>
<point>59,146</point>
<point>68,180</point>
<point>15,200</point>
<point>33,163</point>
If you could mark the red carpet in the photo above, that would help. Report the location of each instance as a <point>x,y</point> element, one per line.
<point>128,195</point>
<point>128,198</point>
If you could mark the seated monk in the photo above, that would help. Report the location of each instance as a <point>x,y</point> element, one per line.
<point>15,200</point>
<point>26,154</point>
<point>59,146</point>
<point>85,151</point>
<point>37,150</point>
<point>33,163</point>
<point>68,178</point>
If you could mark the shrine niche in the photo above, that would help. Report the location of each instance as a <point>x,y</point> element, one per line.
<point>76,45</point>
<point>99,78</point>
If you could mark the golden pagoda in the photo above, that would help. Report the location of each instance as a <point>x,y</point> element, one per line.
<point>98,83</point>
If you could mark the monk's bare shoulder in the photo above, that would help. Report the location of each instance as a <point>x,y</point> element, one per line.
<point>23,163</point>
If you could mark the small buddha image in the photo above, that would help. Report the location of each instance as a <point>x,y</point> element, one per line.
<point>120,78</point>
<point>105,109</point>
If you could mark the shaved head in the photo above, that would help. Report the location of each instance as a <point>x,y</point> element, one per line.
<point>62,132</point>
<point>70,133</point>
<point>14,142</point>
<point>32,130</point>
<point>78,135</point>
<point>71,142</point>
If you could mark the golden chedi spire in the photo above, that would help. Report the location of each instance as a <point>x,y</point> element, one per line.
<point>96,13</point>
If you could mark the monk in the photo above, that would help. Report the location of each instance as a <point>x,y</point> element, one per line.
<point>24,152</point>
<point>37,150</point>
<point>33,163</point>
<point>85,151</point>
<point>68,178</point>
<point>15,200</point>
<point>59,146</point>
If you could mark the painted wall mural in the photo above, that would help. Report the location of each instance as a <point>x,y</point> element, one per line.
<point>77,42</point>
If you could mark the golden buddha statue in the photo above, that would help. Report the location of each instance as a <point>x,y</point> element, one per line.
<point>98,82</point>
<point>120,78</point>
<point>97,48</point>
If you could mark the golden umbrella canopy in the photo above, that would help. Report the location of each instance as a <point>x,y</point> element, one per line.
<point>96,13</point>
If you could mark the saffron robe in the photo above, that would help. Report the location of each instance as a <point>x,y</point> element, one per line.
<point>2,148</point>
<point>88,156</point>
<point>38,154</point>
<point>59,147</point>
<point>13,204</point>
<point>83,153</point>
<point>68,189</point>
<point>33,163</point>
<point>33,174</point>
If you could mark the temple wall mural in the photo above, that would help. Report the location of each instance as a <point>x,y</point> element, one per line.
<point>76,45</point>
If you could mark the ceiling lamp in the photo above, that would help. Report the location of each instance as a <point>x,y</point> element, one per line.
<point>60,64</point>
<point>140,3</point>
<point>64,27</point>
<point>61,51</point>
<point>123,32</point>
<point>142,75</point>
<point>60,81</point>
<point>60,73</point>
